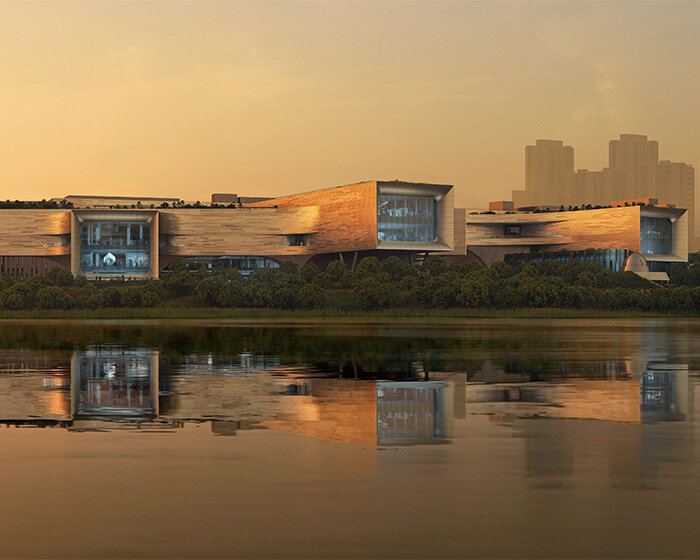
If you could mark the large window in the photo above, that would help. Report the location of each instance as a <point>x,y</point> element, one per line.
<point>115,247</point>
<point>406,218</point>
<point>244,264</point>
<point>656,236</point>
<point>612,259</point>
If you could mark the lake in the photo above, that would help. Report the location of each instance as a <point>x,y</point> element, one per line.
<point>350,438</point>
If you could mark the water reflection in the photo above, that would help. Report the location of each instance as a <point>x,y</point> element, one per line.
<point>210,439</point>
<point>114,382</point>
<point>118,388</point>
<point>385,390</point>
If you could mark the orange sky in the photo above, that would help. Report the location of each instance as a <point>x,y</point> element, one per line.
<point>263,98</point>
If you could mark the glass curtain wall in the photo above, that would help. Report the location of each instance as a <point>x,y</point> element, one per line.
<point>115,247</point>
<point>612,259</point>
<point>406,218</point>
<point>656,236</point>
<point>244,264</point>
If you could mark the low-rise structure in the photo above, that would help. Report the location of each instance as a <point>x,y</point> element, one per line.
<point>137,238</point>
<point>116,237</point>
<point>657,235</point>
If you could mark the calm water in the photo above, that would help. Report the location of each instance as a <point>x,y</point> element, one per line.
<point>459,438</point>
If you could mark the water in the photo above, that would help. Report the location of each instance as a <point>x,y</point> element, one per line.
<point>445,438</point>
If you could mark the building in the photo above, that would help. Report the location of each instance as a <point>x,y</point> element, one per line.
<point>129,238</point>
<point>634,172</point>
<point>122,238</point>
<point>549,168</point>
<point>656,236</point>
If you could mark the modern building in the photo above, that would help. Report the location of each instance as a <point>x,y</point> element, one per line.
<point>123,238</point>
<point>656,236</point>
<point>634,172</point>
<point>129,238</point>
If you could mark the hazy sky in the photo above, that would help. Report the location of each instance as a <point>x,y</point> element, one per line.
<point>264,98</point>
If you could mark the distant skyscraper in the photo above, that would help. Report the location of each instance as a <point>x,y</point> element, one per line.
<point>549,168</point>
<point>634,172</point>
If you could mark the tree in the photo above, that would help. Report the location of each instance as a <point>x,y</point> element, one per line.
<point>15,297</point>
<point>180,283</point>
<point>501,270</point>
<point>131,297</point>
<point>579,297</point>
<point>311,297</point>
<point>60,276</point>
<point>367,266</point>
<point>372,294</point>
<point>444,297</point>
<point>229,294</point>
<point>209,288</point>
<point>5,282</point>
<point>473,292</point>
<point>289,267</point>
<point>397,268</point>
<point>53,297</point>
<point>338,275</point>
<point>111,297</point>
<point>149,298</point>
<point>585,278</point>
<point>630,280</point>
<point>309,271</point>
<point>538,292</point>
<point>434,266</point>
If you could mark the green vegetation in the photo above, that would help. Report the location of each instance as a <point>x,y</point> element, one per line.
<point>374,286</point>
<point>687,274</point>
<point>40,205</point>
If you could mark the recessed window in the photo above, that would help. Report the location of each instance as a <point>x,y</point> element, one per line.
<point>512,231</point>
<point>656,236</point>
<point>115,247</point>
<point>298,239</point>
<point>406,218</point>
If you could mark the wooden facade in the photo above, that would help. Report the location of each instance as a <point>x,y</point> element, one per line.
<point>346,216</point>
<point>339,222</point>
<point>492,236</point>
<point>296,227</point>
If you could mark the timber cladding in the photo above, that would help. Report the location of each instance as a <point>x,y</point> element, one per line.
<point>608,228</point>
<point>241,231</point>
<point>347,216</point>
<point>35,232</point>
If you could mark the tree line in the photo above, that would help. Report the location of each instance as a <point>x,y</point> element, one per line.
<point>374,284</point>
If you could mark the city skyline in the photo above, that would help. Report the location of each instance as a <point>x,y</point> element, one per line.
<point>634,172</point>
<point>188,98</point>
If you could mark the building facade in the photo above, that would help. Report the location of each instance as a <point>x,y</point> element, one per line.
<point>117,238</point>
<point>655,235</point>
<point>114,237</point>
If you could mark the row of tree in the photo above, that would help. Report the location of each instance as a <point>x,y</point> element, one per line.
<point>374,284</point>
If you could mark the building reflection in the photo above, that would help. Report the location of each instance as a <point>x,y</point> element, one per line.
<point>370,412</point>
<point>113,387</point>
<point>114,382</point>
<point>622,410</point>
<point>665,394</point>
<point>660,392</point>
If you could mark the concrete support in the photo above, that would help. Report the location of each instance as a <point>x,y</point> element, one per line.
<point>155,245</point>
<point>74,244</point>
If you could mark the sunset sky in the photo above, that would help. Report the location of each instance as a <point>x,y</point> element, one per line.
<point>265,98</point>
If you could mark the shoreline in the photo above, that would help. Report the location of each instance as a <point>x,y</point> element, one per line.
<point>247,313</point>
